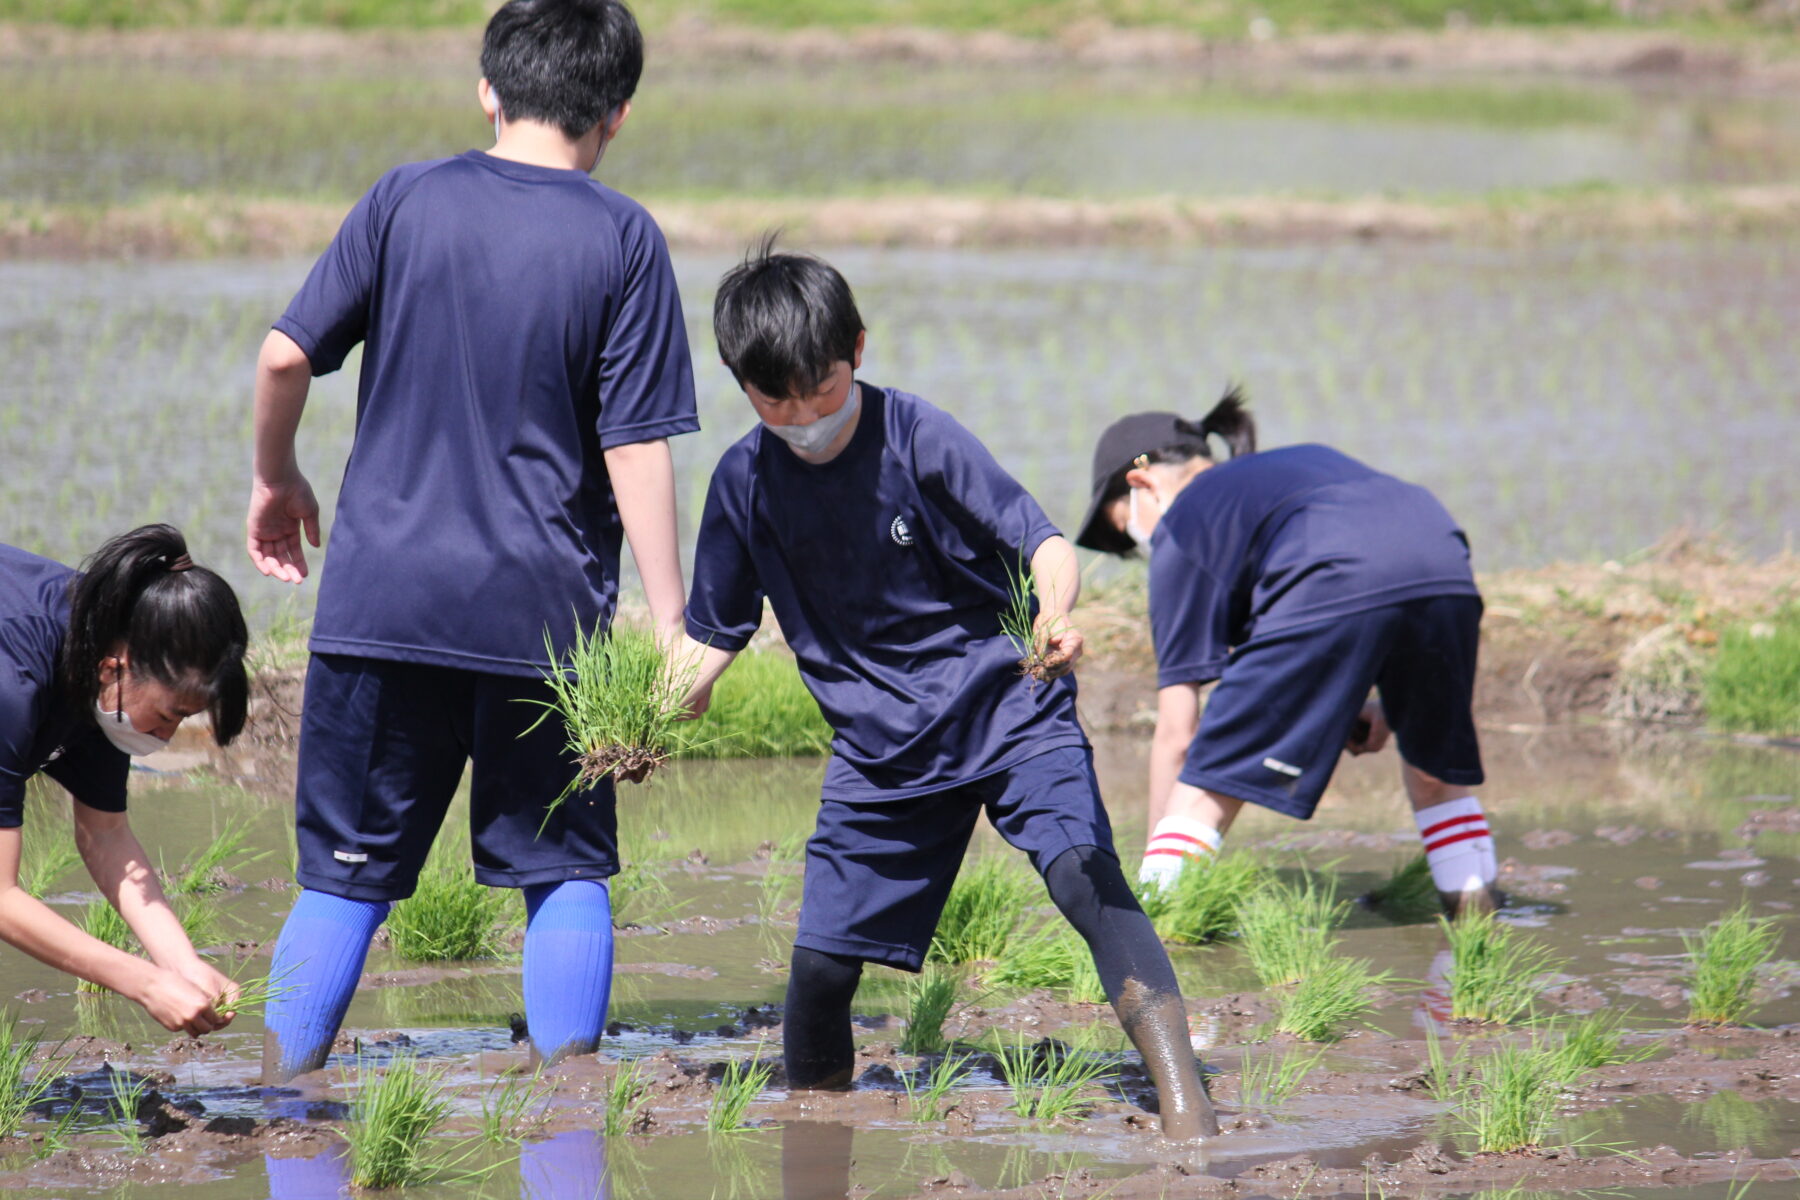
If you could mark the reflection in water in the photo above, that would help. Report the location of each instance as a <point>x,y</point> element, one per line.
<point>815,1160</point>
<point>322,1177</point>
<point>568,1166</point>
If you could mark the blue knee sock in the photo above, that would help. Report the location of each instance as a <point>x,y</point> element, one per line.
<point>318,961</point>
<point>568,966</point>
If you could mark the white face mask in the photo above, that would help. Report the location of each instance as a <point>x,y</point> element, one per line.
<point>1133,530</point>
<point>122,733</point>
<point>817,437</point>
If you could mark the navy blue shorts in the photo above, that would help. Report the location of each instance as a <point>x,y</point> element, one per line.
<point>382,750</point>
<point>878,872</point>
<point>1278,719</point>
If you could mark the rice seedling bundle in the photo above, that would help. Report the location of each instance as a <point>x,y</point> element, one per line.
<point>982,912</point>
<point>47,854</point>
<point>1408,893</point>
<point>930,997</point>
<point>1018,621</point>
<point>395,1113</point>
<point>926,1103</point>
<point>450,916</point>
<point>1049,1081</point>
<point>760,708</point>
<point>101,920</point>
<point>1724,962</point>
<point>1202,904</point>
<point>737,1088</point>
<point>1332,993</point>
<point>1288,930</point>
<point>1268,1080</point>
<point>1511,1099</point>
<point>1494,970</point>
<point>627,1095</point>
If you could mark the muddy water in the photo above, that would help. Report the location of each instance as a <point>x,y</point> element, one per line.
<point>1612,854</point>
<point>313,129</point>
<point>1565,401</point>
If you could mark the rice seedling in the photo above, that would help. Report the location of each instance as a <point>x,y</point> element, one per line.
<point>1018,621</point>
<point>925,1103</point>
<point>101,920</point>
<point>641,896</point>
<point>627,1095</point>
<point>760,708</point>
<point>1202,904</point>
<point>1511,1099</point>
<point>930,997</point>
<point>1408,893</point>
<point>1446,1075</point>
<point>1048,1079</point>
<point>1270,1081</point>
<point>619,696</point>
<point>737,1088</point>
<point>1494,970</point>
<point>392,1119</point>
<point>200,918</point>
<point>450,916</point>
<point>1288,930</point>
<point>254,994</point>
<point>1053,956</point>
<point>775,894</point>
<point>982,911</point>
<point>46,855</point>
<point>1725,959</point>
<point>17,1094</point>
<point>206,873</point>
<point>515,1108</point>
<point>1596,1040</point>
<point>125,1106</point>
<point>1332,993</point>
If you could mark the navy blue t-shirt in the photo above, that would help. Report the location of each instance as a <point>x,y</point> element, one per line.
<point>1289,537</point>
<point>41,729</point>
<point>886,568</point>
<point>518,321</point>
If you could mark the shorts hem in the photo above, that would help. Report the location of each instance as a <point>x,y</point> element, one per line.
<point>903,958</point>
<point>1464,777</point>
<point>375,893</point>
<point>599,873</point>
<point>1290,806</point>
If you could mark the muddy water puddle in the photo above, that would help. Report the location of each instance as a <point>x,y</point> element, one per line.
<point>1612,855</point>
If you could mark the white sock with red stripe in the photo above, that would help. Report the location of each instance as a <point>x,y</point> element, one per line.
<point>1176,842</point>
<point>1457,844</point>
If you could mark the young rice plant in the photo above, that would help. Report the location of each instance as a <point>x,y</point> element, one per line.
<point>1268,1080</point>
<point>395,1113</point>
<point>1408,894</point>
<point>1018,621</point>
<point>450,916</point>
<point>1328,997</point>
<point>1202,904</point>
<point>737,1088</point>
<point>627,1096</point>
<point>982,911</point>
<point>925,1097</point>
<point>1724,961</point>
<point>1049,1081</point>
<point>17,1094</point>
<point>930,997</point>
<point>1494,970</point>
<point>1289,930</point>
<point>515,1108</point>
<point>760,708</point>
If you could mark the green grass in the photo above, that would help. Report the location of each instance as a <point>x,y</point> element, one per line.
<point>1049,1080</point>
<point>1289,929</point>
<point>760,709</point>
<point>1332,994</point>
<point>392,1120</point>
<point>450,917</point>
<point>1408,893</point>
<point>1494,970</point>
<point>930,997</point>
<point>641,896</point>
<point>1269,1080</point>
<point>925,1096</point>
<point>1202,904</point>
<point>1511,1100</point>
<point>736,1089</point>
<point>619,697</point>
<point>17,1093</point>
<point>627,1095</point>
<point>515,1108</point>
<point>1754,684</point>
<point>983,911</point>
<point>1724,960</point>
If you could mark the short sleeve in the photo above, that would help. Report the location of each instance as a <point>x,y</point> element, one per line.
<point>1189,618</point>
<point>726,603</point>
<point>94,771</point>
<point>19,718</point>
<point>330,313</point>
<point>646,373</point>
<point>988,510</point>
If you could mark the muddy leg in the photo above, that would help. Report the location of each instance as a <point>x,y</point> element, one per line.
<point>318,962</point>
<point>1090,891</point>
<point>816,1047</point>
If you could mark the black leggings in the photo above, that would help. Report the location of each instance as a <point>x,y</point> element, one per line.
<point>1089,890</point>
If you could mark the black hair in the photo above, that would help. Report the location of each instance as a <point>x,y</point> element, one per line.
<point>784,320</point>
<point>181,625</point>
<point>566,63</point>
<point>1229,421</point>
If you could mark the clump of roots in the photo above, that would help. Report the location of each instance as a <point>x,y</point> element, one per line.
<point>633,762</point>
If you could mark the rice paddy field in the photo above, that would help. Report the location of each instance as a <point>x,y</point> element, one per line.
<point>1629,1027</point>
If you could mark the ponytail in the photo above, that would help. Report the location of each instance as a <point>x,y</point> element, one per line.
<point>180,624</point>
<point>1229,421</point>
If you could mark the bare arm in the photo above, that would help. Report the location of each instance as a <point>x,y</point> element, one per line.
<point>643,479</point>
<point>282,504</point>
<point>29,924</point>
<point>1056,575</point>
<point>706,663</point>
<point>1177,720</point>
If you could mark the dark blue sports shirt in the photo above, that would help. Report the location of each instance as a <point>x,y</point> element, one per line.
<point>1289,537</point>
<point>517,321</point>
<point>887,570</point>
<point>41,729</point>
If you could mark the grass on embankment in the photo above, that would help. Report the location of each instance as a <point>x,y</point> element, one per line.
<point>1754,684</point>
<point>1031,18</point>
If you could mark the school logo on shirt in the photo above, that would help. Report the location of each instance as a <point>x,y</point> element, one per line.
<point>900,533</point>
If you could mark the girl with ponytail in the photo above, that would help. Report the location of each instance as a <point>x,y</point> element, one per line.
<point>96,666</point>
<point>1299,579</point>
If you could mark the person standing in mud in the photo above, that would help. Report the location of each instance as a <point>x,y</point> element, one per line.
<point>882,534</point>
<point>524,364</point>
<point>1299,579</point>
<point>97,666</point>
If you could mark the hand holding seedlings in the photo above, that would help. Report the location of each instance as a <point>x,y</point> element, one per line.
<point>1047,642</point>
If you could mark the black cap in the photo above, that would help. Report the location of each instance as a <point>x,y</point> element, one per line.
<point>1124,440</point>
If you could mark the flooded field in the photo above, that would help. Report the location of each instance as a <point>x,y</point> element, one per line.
<point>1566,401</point>
<point>328,129</point>
<point>1612,856</point>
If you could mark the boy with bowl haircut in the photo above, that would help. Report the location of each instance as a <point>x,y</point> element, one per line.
<point>525,362</point>
<point>881,532</point>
